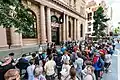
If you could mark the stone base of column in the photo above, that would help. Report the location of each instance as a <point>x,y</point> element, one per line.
<point>3,46</point>
<point>16,45</point>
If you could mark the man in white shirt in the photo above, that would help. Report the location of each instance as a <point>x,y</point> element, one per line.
<point>107,61</point>
<point>50,68</point>
<point>65,57</point>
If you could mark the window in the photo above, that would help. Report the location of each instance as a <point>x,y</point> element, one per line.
<point>81,32</point>
<point>70,2</point>
<point>89,16</point>
<point>69,29</point>
<point>89,29</point>
<point>33,28</point>
<point>74,3</point>
<point>89,24</point>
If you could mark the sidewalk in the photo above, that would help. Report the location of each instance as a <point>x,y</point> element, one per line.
<point>109,75</point>
<point>18,50</point>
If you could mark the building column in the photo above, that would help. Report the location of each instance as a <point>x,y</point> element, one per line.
<point>78,30</point>
<point>16,38</point>
<point>42,24</point>
<point>48,25</point>
<point>67,32</point>
<point>72,35</point>
<point>60,32</point>
<point>74,29</point>
<point>64,28</point>
<point>3,40</point>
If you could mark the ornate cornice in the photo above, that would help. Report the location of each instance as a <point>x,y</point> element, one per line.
<point>67,7</point>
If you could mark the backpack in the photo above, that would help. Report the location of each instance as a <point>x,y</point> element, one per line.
<point>73,57</point>
<point>111,51</point>
<point>58,61</point>
<point>95,59</point>
<point>99,63</point>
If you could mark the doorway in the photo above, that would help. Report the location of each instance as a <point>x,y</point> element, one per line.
<point>8,35</point>
<point>55,35</point>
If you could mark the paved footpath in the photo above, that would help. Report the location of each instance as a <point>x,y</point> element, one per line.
<point>109,75</point>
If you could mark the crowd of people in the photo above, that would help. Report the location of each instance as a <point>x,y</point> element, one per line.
<point>70,62</point>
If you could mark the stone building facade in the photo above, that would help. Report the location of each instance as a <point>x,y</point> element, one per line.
<point>56,20</point>
<point>91,7</point>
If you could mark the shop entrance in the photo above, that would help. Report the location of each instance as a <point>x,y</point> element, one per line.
<point>55,35</point>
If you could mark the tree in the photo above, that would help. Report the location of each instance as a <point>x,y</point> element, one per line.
<point>116,30</point>
<point>14,14</point>
<point>99,23</point>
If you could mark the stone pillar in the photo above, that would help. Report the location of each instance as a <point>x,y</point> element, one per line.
<point>74,29</point>
<point>60,32</point>
<point>72,35</point>
<point>38,28</point>
<point>48,25</point>
<point>16,38</point>
<point>67,32</point>
<point>64,28</point>
<point>42,24</point>
<point>78,30</point>
<point>3,39</point>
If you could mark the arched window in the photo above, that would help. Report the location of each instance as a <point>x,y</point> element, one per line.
<point>34,27</point>
<point>81,32</point>
<point>75,3</point>
<point>69,29</point>
<point>70,2</point>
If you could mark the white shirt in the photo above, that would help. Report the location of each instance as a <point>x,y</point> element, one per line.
<point>65,70</point>
<point>30,70</point>
<point>65,57</point>
<point>49,67</point>
<point>88,77</point>
<point>108,58</point>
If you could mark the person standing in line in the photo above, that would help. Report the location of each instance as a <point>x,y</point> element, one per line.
<point>72,74</point>
<point>30,70</point>
<point>38,73</point>
<point>113,44</point>
<point>65,57</point>
<point>98,64</point>
<point>107,61</point>
<point>65,69</point>
<point>12,74</point>
<point>79,64</point>
<point>50,68</point>
<point>59,63</point>
<point>10,60</point>
<point>89,73</point>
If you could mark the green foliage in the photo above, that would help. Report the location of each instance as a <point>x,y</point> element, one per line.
<point>99,23</point>
<point>116,31</point>
<point>14,14</point>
